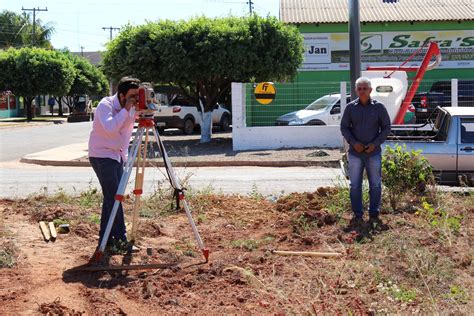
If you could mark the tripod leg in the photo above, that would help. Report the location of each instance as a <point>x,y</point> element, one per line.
<point>121,190</point>
<point>175,183</point>
<point>139,178</point>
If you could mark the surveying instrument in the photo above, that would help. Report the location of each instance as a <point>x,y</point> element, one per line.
<point>137,153</point>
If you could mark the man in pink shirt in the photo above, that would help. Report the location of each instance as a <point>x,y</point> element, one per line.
<point>108,150</point>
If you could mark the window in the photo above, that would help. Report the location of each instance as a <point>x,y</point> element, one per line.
<point>467,130</point>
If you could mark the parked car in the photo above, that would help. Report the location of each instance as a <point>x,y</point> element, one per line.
<point>425,103</point>
<point>181,114</point>
<point>323,111</point>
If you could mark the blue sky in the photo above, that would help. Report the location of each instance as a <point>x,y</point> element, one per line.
<point>79,22</point>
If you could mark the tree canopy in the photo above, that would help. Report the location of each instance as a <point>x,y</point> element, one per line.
<point>29,72</point>
<point>204,55</point>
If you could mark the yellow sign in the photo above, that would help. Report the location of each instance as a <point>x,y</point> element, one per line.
<point>265,92</point>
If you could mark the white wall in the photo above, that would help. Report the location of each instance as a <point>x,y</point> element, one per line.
<point>274,137</point>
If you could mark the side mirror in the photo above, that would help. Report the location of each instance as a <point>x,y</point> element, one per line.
<point>336,109</point>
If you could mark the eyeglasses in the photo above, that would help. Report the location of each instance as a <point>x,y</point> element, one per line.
<point>363,88</point>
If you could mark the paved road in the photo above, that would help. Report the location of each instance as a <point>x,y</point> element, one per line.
<point>19,141</point>
<point>20,180</point>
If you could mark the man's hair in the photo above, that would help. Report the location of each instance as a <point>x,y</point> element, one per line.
<point>127,83</point>
<point>363,80</point>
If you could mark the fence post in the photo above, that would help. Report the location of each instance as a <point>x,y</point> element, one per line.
<point>238,105</point>
<point>343,92</point>
<point>454,92</point>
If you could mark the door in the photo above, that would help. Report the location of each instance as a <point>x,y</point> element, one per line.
<point>466,145</point>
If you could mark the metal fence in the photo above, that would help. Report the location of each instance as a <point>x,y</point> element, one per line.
<point>296,96</point>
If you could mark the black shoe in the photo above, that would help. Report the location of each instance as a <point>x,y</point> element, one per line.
<point>356,223</point>
<point>376,223</point>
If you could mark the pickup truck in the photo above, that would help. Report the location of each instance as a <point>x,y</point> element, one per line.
<point>448,145</point>
<point>425,103</point>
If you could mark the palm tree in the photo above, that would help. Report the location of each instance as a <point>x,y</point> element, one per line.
<point>16,30</point>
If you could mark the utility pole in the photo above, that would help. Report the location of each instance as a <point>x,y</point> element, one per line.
<point>82,51</point>
<point>250,3</point>
<point>111,29</point>
<point>354,44</point>
<point>34,20</point>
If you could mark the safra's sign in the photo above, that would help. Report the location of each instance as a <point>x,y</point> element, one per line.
<point>408,41</point>
<point>330,51</point>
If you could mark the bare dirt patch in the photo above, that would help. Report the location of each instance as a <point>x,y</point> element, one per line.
<point>415,265</point>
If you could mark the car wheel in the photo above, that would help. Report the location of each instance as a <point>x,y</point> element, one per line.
<point>225,123</point>
<point>188,128</point>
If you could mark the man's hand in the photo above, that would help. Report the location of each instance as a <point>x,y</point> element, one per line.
<point>129,103</point>
<point>369,148</point>
<point>358,147</point>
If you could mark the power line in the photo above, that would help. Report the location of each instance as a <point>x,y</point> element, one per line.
<point>111,29</point>
<point>34,19</point>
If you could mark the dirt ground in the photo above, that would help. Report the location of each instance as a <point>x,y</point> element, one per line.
<point>408,265</point>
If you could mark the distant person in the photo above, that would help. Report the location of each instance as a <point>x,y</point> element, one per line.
<point>365,125</point>
<point>51,103</point>
<point>108,151</point>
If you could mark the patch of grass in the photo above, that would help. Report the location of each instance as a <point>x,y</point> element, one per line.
<point>403,295</point>
<point>247,244</point>
<point>91,198</point>
<point>60,221</point>
<point>201,218</point>
<point>446,222</point>
<point>302,225</point>
<point>8,255</point>
<point>458,294</point>
<point>94,218</point>
<point>255,194</point>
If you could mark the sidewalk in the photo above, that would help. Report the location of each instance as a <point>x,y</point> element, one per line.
<point>186,151</point>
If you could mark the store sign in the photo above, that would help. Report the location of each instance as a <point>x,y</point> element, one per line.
<point>330,51</point>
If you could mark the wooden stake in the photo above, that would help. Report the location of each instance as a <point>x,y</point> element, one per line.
<point>45,231</point>
<point>54,234</point>
<point>125,267</point>
<point>308,253</point>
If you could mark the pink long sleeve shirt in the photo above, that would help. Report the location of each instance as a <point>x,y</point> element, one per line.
<point>111,130</point>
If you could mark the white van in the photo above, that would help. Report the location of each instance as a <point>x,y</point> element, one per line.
<point>327,109</point>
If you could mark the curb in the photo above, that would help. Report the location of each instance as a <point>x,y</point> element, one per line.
<point>256,163</point>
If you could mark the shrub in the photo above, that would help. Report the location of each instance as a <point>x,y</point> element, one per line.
<point>404,172</point>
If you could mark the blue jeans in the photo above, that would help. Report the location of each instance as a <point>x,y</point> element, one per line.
<point>109,172</point>
<point>373,167</point>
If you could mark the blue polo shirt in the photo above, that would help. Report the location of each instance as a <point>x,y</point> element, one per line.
<point>365,124</point>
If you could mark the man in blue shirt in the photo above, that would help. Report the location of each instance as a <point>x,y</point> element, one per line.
<point>365,125</point>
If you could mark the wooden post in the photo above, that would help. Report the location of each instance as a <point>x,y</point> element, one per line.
<point>45,231</point>
<point>308,253</point>
<point>54,234</point>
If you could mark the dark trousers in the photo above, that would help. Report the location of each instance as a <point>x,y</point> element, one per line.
<point>373,166</point>
<point>109,172</point>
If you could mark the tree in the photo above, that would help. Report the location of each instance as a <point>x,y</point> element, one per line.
<point>16,30</point>
<point>88,80</point>
<point>203,55</point>
<point>29,72</point>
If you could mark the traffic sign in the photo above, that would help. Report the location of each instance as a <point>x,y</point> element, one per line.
<point>265,92</point>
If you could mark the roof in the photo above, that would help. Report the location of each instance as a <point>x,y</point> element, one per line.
<point>94,57</point>
<point>460,110</point>
<point>336,11</point>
